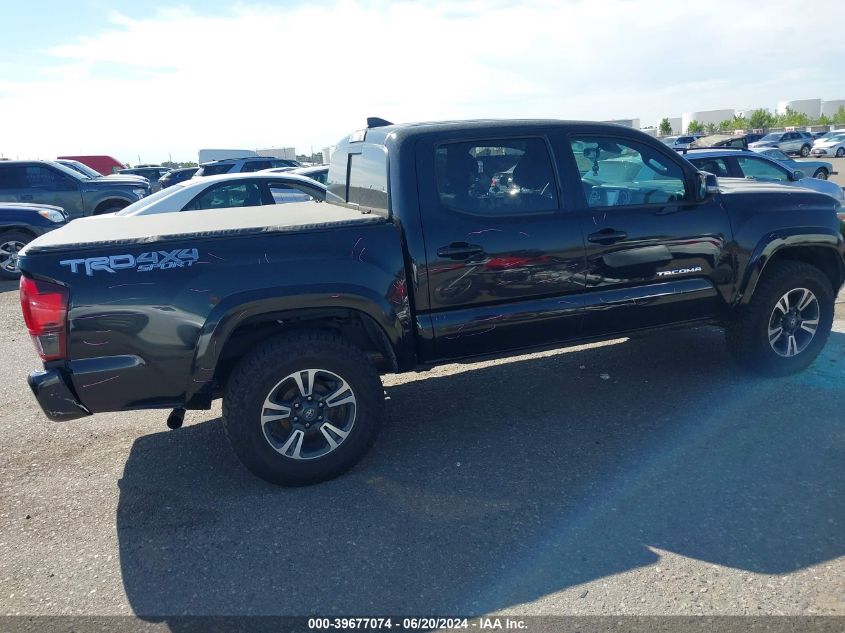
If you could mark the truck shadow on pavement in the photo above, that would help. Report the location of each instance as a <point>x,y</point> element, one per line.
<point>498,486</point>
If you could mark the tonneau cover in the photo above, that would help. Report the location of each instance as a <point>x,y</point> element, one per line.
<point>115,229</point>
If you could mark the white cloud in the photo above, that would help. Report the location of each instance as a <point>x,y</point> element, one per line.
<point>264,75</point>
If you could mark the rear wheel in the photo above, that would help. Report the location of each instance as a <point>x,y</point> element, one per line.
<point>302,408</point>
<point>805,150</point>
<point>11,243</point>
<point>787,322</point>
<point>821,173</point>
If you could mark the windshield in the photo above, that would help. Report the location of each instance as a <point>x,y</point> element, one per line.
<point>82,168</point>
<point>143,203</point>
<point>771,137</point>
<point>70,172</point>
<point>670,139</point>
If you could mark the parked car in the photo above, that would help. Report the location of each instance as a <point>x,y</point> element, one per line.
<point>320,173</point>
<point>177,175</point>
<point>291,317</point>
<point>238,165</point>
<point>229,190</point>
<point>19,225</point>
<point>789,142</point>
<point>752,165</point>
<point>676,142</point>
<point>726,140</point>
<point>831,144</point>
<point>103,165</point>
<point>48,182</point>
<point>86,171</point>
<point>814,168</point>
<point>151,173</point>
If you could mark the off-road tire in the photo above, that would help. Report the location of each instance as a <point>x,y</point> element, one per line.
<point>747,333</point>
<point>254,378</point>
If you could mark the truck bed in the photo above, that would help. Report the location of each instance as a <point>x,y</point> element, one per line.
<point>116,229</point>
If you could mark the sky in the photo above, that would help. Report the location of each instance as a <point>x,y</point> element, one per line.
<point>147,81</point>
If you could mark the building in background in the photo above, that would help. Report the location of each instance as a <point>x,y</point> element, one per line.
<point>634,123</point>
<point>706,116</point>
<point>829,108</point>
<point>278,152</point>
<point>811,107</point>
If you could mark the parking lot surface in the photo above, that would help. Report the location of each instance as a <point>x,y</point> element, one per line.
<point>838,167</point>
<point>642,476</point>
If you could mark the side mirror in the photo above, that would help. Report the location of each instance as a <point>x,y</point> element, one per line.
<point>708,185</point>
<point>798,174</point>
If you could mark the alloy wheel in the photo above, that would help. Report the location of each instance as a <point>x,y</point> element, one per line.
<point>9,255</point>
<point>308,414</point>
<point>793,322</point>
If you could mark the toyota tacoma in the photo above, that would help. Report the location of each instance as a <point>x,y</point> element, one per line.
<point>438,242</point>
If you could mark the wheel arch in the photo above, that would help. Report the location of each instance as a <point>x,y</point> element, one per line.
<point>822,252</point>
<point>232,330</point>
<point>111,202</point>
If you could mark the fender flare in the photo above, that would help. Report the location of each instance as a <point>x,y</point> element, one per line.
<point>236,309</point>
<point>780,240</point>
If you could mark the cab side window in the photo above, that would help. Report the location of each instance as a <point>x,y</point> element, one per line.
<point>12,177</point>
<point>38,177</point>
<point>498,177</point>
<point>621,172</point>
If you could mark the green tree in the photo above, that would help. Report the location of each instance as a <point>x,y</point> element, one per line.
<point>792,118</point>
<point>823,120</point>
<point>665,127</point>
<point>839,116</point>
<point>695,127</point>
<point>761,118</point>
<point>711,128</point>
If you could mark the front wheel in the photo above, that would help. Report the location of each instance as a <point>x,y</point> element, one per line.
<point>840,152</point>
<point>302,408</point>
<point>821,174</point>
<point>805,150</point>
<point>787,322</point>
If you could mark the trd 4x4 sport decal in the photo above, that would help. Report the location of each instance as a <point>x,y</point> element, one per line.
<point>145,262</point>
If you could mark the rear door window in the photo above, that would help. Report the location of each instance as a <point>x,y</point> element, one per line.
<point>283,193</point>
<point>256,165</point>
<point>500,177</point>
<point>12,177</point>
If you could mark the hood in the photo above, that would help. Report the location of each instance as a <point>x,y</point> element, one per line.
<point>31,206</point>
<point>125,177</point>
<point>116,182</point>
<point>804,187</point>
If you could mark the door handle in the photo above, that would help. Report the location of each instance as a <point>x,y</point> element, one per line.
<point>607,236</point>
<point>459,250</point>
<point>26,197</point>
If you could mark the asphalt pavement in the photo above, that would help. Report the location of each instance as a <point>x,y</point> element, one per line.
<point>643,476</point>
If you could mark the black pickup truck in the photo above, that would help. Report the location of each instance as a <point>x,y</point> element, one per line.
<point>438,242</point>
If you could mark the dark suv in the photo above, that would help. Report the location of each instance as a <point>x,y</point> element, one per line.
<point>238,165</point>
<point>151,173</point>
<point>47,182</point>
<point>177,175</point>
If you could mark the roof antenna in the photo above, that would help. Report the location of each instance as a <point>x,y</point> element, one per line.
<point>374,121</point>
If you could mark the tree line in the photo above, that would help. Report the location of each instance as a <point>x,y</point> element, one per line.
<point>760,118</point>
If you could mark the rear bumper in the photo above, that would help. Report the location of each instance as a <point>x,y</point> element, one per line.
<point>55,396</point>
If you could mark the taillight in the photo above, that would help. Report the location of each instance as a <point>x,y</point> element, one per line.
<point>44,307</point>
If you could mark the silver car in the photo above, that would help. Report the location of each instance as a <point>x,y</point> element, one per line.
<point>755,166</point>
<point>831,144</point>
<point>814,168</point>
<point>789,142</point>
